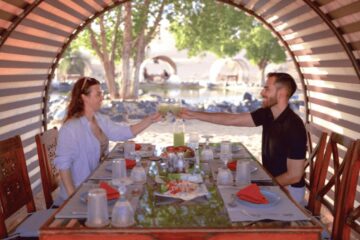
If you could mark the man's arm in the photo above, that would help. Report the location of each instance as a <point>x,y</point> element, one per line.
<point>229,119</point>
<point>294,173</point>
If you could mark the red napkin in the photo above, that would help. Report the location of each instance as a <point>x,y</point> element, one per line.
<point>111,193</point>
<point>130,163</point>
<point>251,193</point>
<point>137,146</point>
<point>232,165</point>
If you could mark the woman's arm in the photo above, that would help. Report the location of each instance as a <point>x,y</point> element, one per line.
<point>66,178</point>
<point>144,123</point>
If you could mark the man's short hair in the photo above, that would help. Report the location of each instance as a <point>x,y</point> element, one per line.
<point>284,79</point>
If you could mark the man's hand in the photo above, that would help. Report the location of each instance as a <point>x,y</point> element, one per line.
<point>186,114</point>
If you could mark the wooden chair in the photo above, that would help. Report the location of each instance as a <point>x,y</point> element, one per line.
<point>346,215</point>
<point>314,161</point>
<point>46,146</point>
<point>15,188</point>
<point>331,153</point>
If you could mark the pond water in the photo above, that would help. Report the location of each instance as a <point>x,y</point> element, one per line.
<point>204,95</point>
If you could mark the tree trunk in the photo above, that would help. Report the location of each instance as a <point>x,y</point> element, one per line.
<point>140,55</point>
<point>126,90</point>
<point>108,66</point>
<point>262,65</point>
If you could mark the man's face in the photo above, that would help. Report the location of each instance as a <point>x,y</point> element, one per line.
<point>269,93</point>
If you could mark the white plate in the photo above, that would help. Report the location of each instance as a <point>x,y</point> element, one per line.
<point>252,169</point>
<point>199,192</point>
<point>234,148</point>
<point>272,197</point>
<point>195,178</point>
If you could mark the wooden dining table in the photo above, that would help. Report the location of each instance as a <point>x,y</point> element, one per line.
<point>202,218</point>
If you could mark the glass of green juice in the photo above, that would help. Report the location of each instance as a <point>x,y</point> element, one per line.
<point>179,139</point>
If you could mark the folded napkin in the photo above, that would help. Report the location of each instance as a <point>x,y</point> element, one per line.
<point>130,163</point>
<point>232,165</point>
<point>137,146</point>
<point>251,193</point>
<point>111,193</point>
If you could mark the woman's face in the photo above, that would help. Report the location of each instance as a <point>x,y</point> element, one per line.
<point>94,98</point>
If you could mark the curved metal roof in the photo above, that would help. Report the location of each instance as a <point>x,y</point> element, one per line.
<point>322,37</point>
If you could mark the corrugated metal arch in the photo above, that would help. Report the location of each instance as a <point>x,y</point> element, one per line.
<point>321,36</point>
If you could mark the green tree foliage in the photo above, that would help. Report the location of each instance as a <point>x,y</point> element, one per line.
<point>262,48</point>
<point>105,38</point>
<point>204,25</point>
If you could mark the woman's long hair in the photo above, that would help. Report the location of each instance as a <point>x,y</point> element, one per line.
<point>75,108</point>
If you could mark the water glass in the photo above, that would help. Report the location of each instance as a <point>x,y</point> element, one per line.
<point>118,168</point>
<point>193,141</point>
<point>129,147</point>
<point>242,176</point>
<point>123,213</point>
<point>207,154</point>
<point>225,152</point>
<point>224,177</point>
<point>97,208</point>
<point>138,174</point>
<point>119,173</point>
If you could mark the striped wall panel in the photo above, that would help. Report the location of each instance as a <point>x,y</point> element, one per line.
<point>325,53</point>
<point>26,57</point>
<point>322,38</point>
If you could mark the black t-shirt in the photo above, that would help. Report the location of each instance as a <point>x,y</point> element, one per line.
<point>282,138</point>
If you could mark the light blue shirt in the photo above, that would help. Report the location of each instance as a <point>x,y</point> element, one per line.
<point>79,150</point>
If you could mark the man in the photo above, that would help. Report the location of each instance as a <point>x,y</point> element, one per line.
<point>284,135</point>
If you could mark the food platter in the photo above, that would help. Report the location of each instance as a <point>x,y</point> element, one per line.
<point>182,189</point>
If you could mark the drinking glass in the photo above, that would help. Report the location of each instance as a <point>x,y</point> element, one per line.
<point>242,176</point>
<point>207,153</point>
<point>224,177</point>
<point>123,213</point>
<point>225,152</point>
<point>179,133</point>
<point>193,141</point>
<point>119,175</point>
<point>97,208</point>
<point>138,173</point>
<point>129,147</point>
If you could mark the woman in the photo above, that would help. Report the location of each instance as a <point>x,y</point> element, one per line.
<point>84,137</point>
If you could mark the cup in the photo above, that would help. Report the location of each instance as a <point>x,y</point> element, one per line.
<point>225,151</point>
<point>122,214</point>
<point>129,147</point>
<point>163,108</point>
<point>242,176</point>
<point>118,168</point>
<point>225,147</point>
<point>97,208</point>
<point>138,174</point>
<point>224,177</point>
<point>193,141</point>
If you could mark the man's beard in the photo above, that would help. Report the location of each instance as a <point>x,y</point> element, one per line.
<point>269,102</point>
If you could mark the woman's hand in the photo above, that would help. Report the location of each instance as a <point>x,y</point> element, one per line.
<point>146,122</point>
<point>155,117</point>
